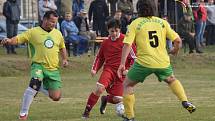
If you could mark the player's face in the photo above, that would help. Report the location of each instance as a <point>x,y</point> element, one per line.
<point>114,32</point>
<point>51,22</point>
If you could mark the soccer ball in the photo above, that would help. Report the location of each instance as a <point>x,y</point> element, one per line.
<point>119,108</point>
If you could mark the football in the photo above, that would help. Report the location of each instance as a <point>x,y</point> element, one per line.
<point>119,108</point>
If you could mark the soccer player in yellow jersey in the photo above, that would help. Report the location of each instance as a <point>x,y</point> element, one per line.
<point>45,43</point>
<point>149,33</point>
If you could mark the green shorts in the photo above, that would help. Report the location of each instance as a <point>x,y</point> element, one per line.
<point>51,79</point>
<point>139,73</point>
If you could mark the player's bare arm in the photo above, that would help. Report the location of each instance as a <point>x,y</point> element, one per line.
<point>64,57</point>
<point>177,45</point>
<point>125,51</point>
<point>12,41</point>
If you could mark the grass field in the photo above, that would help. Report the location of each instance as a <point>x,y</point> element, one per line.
<point>154,100</point>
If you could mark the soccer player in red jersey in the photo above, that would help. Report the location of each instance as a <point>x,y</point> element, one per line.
<point>109,57</point>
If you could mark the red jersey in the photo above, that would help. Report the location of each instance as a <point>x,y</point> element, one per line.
<point>110,54</point>
<point>200,12</point>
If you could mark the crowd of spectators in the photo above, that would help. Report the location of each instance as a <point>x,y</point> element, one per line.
<point>79,24</point>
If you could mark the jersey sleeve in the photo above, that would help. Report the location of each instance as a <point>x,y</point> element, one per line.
<point>99,60</point>
<point>171,34</point>
<point>24,37</point>
<point>130,34</point>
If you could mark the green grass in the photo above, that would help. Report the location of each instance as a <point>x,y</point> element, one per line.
<point>154,100</point>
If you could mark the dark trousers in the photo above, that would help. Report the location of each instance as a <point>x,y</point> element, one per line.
<point>210,38</point>
<point>190,41</point>
<point>11,32</point>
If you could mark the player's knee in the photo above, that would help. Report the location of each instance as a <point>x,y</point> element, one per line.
<point>170,79</point>
<point>35,84</point>
<point>99,90</point>
<point>55,98</point>
<point>117,99</point>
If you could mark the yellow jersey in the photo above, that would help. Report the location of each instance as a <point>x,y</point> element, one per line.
<point>43,46</point>
<point>150,34</point>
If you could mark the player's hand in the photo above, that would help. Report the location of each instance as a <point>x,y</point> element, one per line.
<point>125,72</point>
<point>65,63</point>
<point>120,71</point>
<point>93,73</point>
<point>5,41</point>
<point>174,51</point>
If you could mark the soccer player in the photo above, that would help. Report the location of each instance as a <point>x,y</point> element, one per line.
<point>149,33</point>
<point>45,43</point>
<point>109,56</point>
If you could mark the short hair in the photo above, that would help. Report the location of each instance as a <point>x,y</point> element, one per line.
<point>146,8</point>
<point>48,14</point>
<point>66,13</point>
<point>113,23</point>
<point>118,11</point>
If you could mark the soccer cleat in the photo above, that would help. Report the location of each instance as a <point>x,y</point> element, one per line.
<point>23,117</point>
<point>103,105</point>
<point>127,119</point>
<point>85,115</point>
<point>189,106</point>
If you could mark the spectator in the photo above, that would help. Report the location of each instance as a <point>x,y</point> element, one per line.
<point>112,6</point>
<point>63,6</point>
<point>125,6</point>
<point>44,6</point>
<point>70,33</point>
<point>186,31</point>
<point>200,15</point>
<point>181,9</point>
<point>77,6</point>
<point>99,10</point>
<point>210,39</point>
<point>11,11</point>
<point>83,26</point>
<point>126,20</point>
<point>118,15</point>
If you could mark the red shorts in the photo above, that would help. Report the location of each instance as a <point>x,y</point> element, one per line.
<point>111,82</point>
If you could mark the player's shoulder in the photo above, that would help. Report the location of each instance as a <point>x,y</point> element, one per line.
<point>164,23</point>
<point>32,30</point>
<point>56,31</point>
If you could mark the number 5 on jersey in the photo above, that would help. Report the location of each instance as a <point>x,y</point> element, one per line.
<point>153,39</point>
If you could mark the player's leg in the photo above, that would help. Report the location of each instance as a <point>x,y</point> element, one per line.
<point>31,91</point>
<point>178,90</point>
<point>92,99</point>
<point>175,85</point>
<point>129,98</point>
<point>52,83</point>
<point>136,74</point>
<point>109,99</point>
<point>115,92</point>
<point>43,90</point>
<point>102,83</point>
<point>54,94</point>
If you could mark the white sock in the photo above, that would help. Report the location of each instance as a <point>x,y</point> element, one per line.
<point>27,100</point>
<point>44,91</point>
